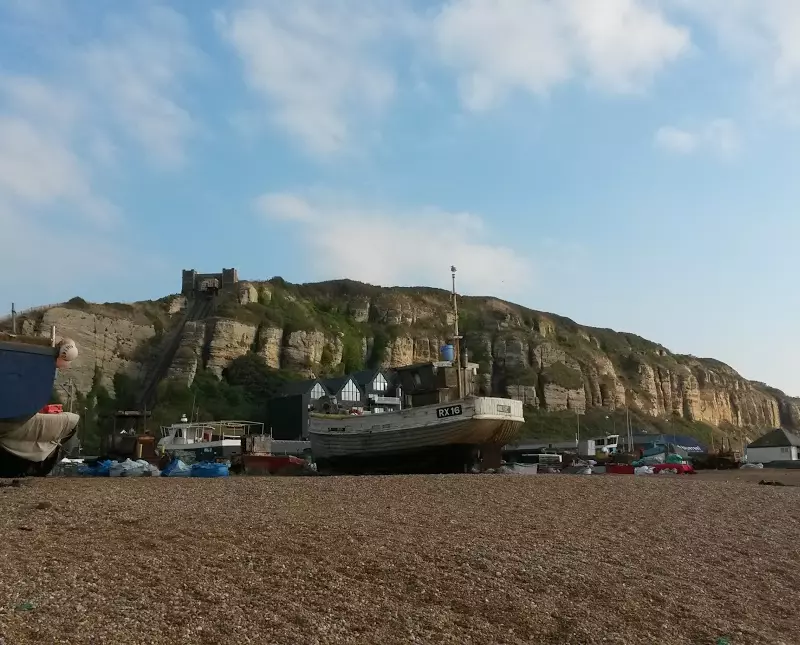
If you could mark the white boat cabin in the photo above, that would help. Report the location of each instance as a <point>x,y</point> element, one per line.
<point>608,444</point>
<point>190,433</point>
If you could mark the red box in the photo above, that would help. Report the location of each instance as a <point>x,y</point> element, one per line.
<point>52,408</point>
<point>619,469</point>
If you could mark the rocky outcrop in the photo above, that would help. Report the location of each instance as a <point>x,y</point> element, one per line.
<point>189,356</point>
<point>227,340</point>
<point>541,359</point>
<point>270,345</point>
<point>247,293</point>
<point>107,344</point>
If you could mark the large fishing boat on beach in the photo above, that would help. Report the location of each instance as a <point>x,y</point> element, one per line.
<point>30,439</point>
<point>452,436</point>
<point>443,425</point>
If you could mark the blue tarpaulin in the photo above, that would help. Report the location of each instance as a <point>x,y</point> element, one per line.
<point>209,469</point>
<point>689,444</point>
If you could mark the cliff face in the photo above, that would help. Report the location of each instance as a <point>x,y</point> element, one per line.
<point>547,361</point>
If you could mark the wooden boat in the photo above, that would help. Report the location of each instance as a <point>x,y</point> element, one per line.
<point>431,438</point>
<point>30,442</point>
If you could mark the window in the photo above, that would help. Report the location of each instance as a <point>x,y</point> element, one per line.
<point>350,392</point>
<point>379,384</point>
<point>784,450</point>
<point>318,392</point>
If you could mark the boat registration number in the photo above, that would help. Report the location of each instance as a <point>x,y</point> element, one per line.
<point>449,411</point>
<point>504,409</point>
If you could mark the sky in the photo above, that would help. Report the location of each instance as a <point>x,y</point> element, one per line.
<point>629,164</point>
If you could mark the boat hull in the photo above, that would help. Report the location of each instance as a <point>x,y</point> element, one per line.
<point>458,458</point>
<point>437,438</point>
<point>203,451</point>
<point>33,446</point>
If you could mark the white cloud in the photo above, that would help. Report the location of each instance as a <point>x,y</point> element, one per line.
<point>136,72</point>
<point>316,64</point>
<point>40,169</point>
<point>720,136</point>
<point>60,129</point>
<point>57,227</point>
<point>764,37</point>
<point>676,140</point>
<point>501,46</point>
<point>400,248</point>
<point>285,206</point>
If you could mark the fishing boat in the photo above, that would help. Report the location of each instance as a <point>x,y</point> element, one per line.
<point>31,440</point>
<point>446,437</point>
<point>445,425</point>
<point>206,440</point>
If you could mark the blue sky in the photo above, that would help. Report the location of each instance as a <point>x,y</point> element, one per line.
<point>628,164</point>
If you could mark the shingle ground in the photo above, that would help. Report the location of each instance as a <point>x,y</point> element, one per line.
<point>420,559</point>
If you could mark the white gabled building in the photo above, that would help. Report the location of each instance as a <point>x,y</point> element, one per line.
<point>777,445</point>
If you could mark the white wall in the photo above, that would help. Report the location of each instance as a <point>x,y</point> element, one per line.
<point>765,455</point>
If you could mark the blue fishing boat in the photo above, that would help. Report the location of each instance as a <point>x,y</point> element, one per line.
<point>30,442</point>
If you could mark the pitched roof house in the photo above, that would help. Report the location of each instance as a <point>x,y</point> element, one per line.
<point>344,388</point>
<point>778,445</point>
<point>312,387</point>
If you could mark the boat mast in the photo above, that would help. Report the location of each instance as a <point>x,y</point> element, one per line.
<point>456,337</point>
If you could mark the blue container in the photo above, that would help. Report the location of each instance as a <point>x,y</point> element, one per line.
<point>448,353</point>
<point>27,373</point>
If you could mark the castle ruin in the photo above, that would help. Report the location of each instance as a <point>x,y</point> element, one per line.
<point>193,282</point>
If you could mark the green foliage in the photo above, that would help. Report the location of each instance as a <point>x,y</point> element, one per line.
<point>247,384</point>
<point>126,390</point>
<point>77,303</point>
<point>352,358</point>
<point>121,307</point>
<point>380,344</point>
<point>541,425</point>
<point>549,426</point>
<point>478,353</point>
<point>158,326</point>
<point>470,321</point>
<point>255,377</point>
<point>611,342</point>
<point>521,376</point>
<point>560,374</point>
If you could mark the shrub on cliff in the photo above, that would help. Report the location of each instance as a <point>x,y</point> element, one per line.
<point>560,374</point>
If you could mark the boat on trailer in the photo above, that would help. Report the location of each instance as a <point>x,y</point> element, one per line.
<point>31,440</point>
<point>446,425</point>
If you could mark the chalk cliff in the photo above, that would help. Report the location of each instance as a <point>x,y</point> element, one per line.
<point>549,362</point>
